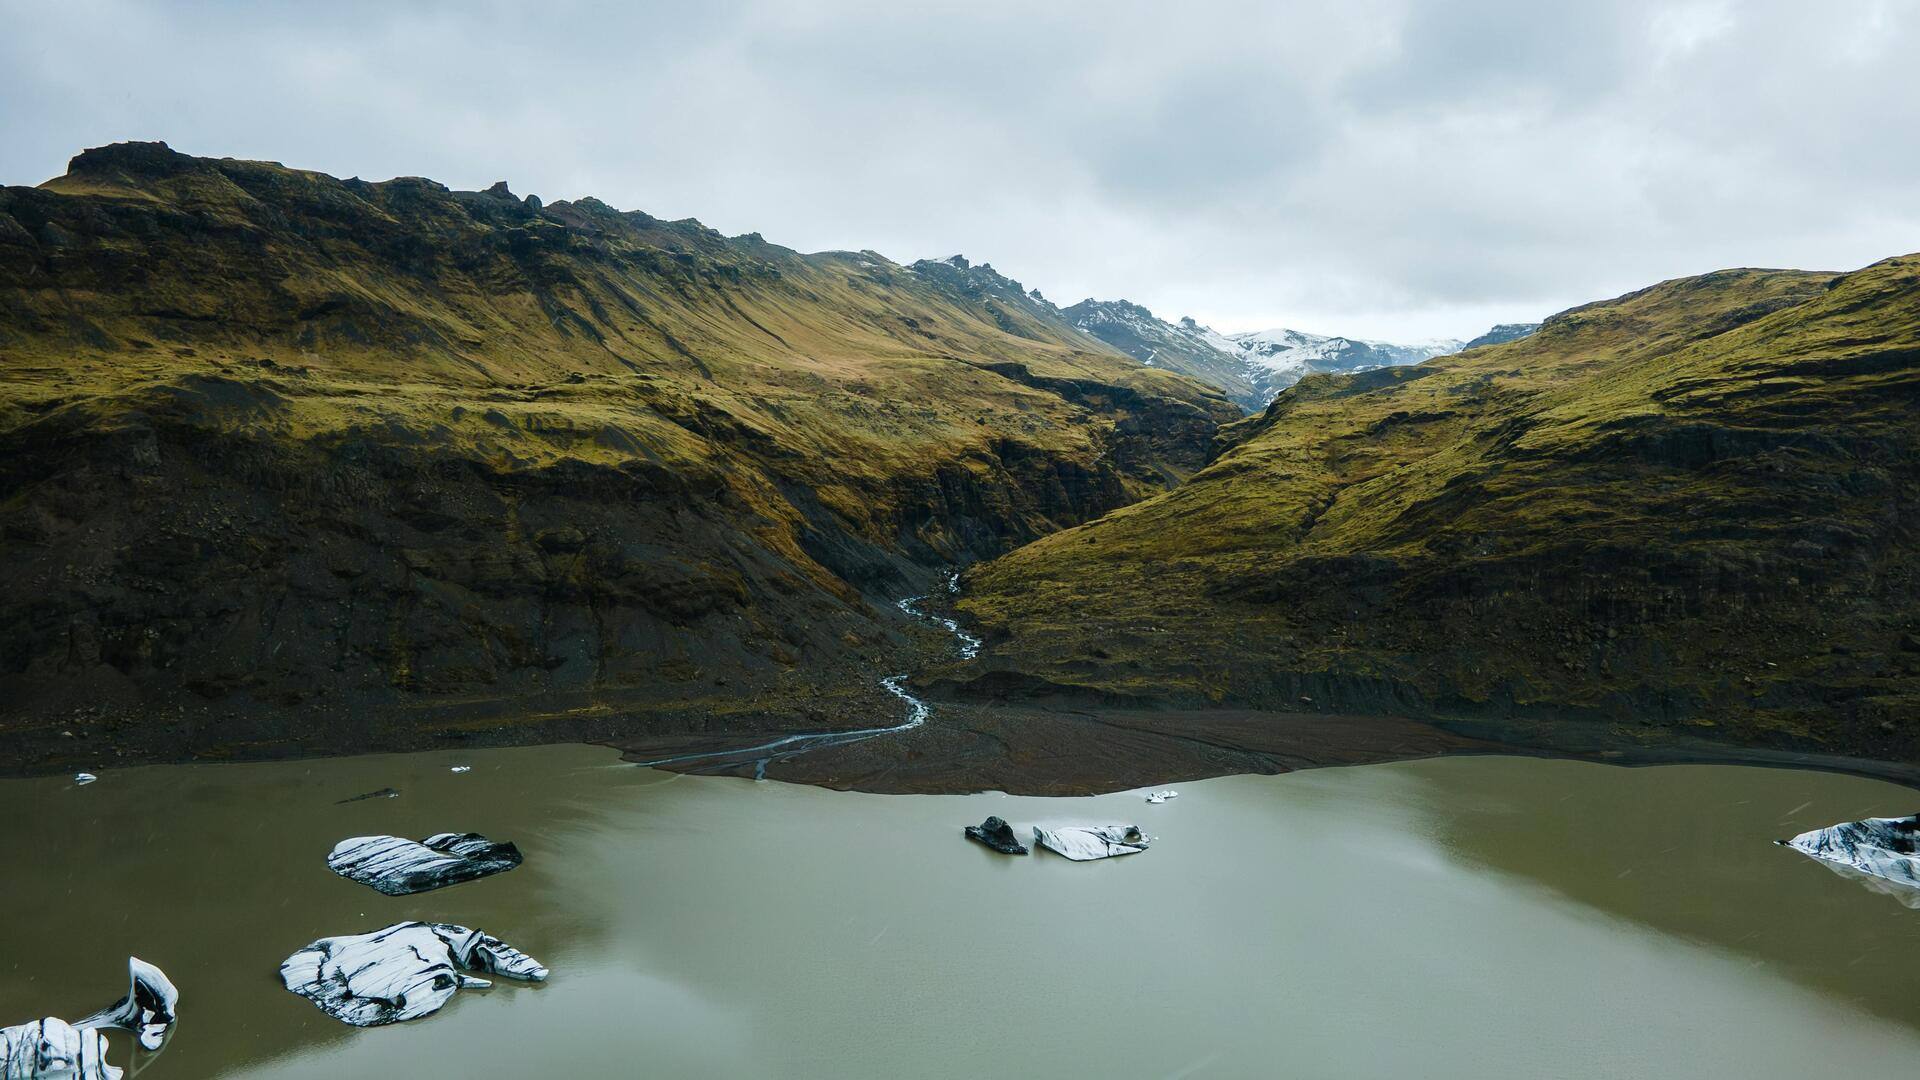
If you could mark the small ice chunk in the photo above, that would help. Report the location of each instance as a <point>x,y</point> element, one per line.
<point>1159,797</point>
<point>148,1008</point>
<point>1082,843</point>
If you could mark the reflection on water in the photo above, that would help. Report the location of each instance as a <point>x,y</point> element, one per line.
<point>1471,917</point>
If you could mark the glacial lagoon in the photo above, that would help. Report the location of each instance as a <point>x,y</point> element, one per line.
<point>1460,917</point>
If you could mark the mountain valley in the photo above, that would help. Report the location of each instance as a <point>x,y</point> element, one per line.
<point>296,464</point>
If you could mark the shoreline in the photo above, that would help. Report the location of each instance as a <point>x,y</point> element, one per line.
<point>1068,752</point>
<point>1082,752</point>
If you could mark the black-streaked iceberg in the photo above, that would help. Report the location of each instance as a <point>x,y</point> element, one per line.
<point>400,867</point>
<point>51,1047</point>
<point>1082,843</point>
<point>1883,849</point>
<point>403,972</point>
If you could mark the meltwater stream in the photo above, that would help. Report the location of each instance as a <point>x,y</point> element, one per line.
<point>790,746</point>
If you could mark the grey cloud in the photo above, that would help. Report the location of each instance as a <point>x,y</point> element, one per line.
<point>1384,167</point>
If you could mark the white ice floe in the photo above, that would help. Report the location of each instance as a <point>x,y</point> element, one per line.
<point>1159,797</point>
<point>399,867</point>
<point>403,972</point>
<point>1082,843</point>
<point>51,1048</point>
<point>1887,849</point>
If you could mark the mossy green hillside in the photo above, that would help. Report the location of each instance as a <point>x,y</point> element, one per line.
<point>1689,508</point>
<point>275,444</point>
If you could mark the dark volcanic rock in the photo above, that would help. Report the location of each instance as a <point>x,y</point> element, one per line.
<point>383,793</point>
<point>998,835</point>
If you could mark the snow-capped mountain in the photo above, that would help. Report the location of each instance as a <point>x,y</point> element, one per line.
<point>1185,347</point>
<point>1250,367</point>
<point>1284,357</point>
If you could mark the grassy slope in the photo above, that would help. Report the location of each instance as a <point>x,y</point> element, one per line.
<point>272,437</point>
<point>1693,505</point>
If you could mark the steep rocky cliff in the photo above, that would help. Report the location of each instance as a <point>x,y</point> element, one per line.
<point>289,461</point>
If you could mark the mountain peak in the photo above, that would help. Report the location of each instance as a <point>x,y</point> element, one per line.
<point>1501,334</point>
<point>131,158</point>
<point>1251,366</point>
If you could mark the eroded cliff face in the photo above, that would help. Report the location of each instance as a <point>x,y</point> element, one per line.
<point>288,462</point>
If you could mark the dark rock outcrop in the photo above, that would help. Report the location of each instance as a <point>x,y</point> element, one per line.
<point>998,835</point>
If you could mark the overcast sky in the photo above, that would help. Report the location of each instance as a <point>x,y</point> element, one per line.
<point>1387,168</point>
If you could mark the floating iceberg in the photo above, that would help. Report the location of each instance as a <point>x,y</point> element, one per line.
<point>1084,842</point>
<point>1883,848</point>
<point>400,867</point>
<point>51,1047</point>
<point>403,972</point>
<point>998,835</point>
<point>148,1008</point>
<point>1159,797</point>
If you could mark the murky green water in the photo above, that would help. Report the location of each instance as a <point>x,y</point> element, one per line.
<point>1473,917</point>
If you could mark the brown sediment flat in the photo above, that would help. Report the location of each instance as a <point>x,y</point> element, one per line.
<point>1027,750</point>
